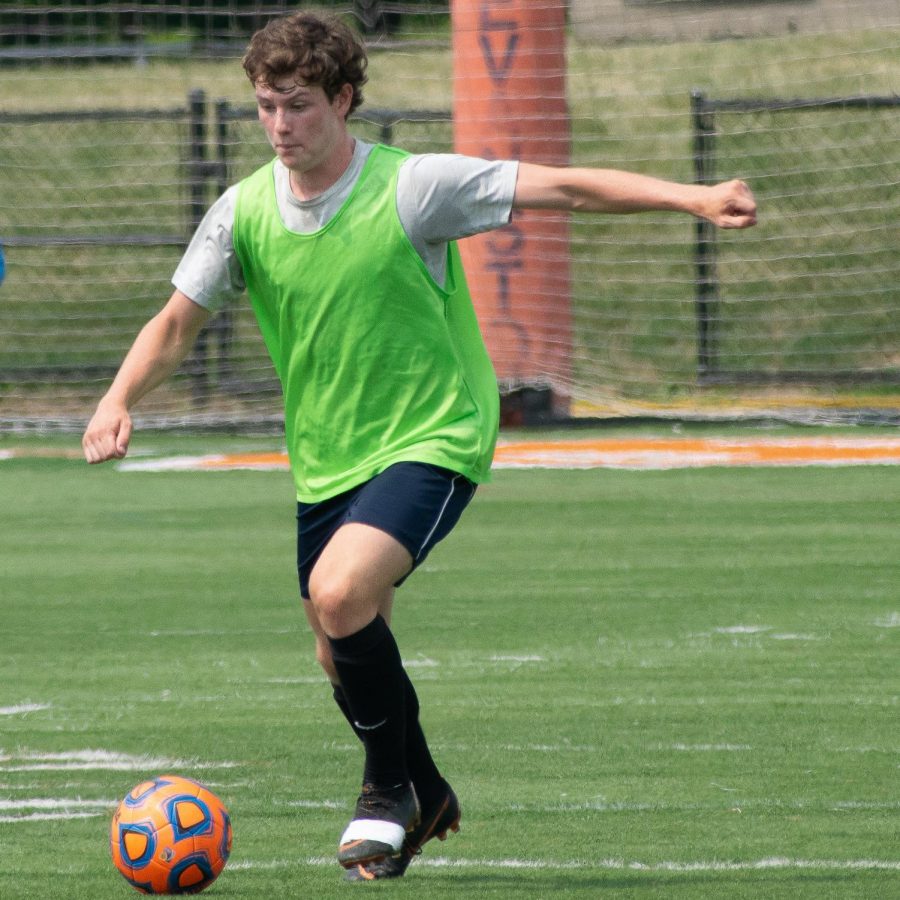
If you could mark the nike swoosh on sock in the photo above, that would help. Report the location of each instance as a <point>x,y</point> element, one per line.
<point>369,727</point>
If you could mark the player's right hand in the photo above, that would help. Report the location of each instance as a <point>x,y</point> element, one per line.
<point>730,204</point>
<point>108,434</point>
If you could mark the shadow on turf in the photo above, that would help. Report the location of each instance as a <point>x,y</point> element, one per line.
<point>693,885</point>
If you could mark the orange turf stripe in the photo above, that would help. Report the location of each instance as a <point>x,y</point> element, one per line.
<point>763,450</point>
<point>230,460</point>
<point>647,452</point>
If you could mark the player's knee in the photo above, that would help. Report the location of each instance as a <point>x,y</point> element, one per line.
<point>333,596</point>
<point>328,592</point>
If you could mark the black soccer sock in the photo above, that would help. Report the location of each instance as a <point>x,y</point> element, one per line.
<point>424,774</point>
<point>372,679</point>
<point>344,707</point>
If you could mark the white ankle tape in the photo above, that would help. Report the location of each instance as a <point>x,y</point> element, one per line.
<point>375,830</point>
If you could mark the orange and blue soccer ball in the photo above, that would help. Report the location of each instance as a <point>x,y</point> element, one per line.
<point>170,835</point>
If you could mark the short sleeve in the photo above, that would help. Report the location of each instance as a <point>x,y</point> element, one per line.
<point>209,272</point>
<point>446,196</point>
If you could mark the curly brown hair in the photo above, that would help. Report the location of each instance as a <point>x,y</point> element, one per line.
<point>313,49</point>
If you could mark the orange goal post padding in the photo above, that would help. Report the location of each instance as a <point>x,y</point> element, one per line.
<point>509,102</point>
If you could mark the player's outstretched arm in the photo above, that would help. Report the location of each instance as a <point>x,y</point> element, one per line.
<point>729,205</point>
<point>157,351</point>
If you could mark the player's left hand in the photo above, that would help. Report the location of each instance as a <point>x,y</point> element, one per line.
<point>730,204</point>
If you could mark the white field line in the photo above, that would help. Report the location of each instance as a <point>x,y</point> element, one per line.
<point>868,748</point>
<point>170,464</point>
<point>21,708</point>
<point>518,659</point>
<point>421,663</point>
<point>668,866</point>
<point>456,747</point>
<point>448,746</point>
<point>317,804</point>
<point>62,803</point>
<point>743,629</point>
<point>705,748</point>
<point>51,816</point>
<point>299,679</point>
<point>136,766</point>
<point>611,865</point>
<point>604,806</point>
<point>593,748</point>
<point>790,636</point>
<point>218,632</point>
<point>100,760</point>
<point>44,809</point>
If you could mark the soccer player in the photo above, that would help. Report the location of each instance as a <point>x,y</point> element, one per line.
<point>347,252</point>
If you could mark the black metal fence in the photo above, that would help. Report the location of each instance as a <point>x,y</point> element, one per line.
<point>92,29</point>
<point>124,191</point>
<point>101,203</point>
<point>709,134</point>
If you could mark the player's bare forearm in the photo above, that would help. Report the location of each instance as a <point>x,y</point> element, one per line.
<point>729,205</point>
<point>157,351</point>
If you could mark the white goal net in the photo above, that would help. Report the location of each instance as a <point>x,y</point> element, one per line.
<point>120,124</point>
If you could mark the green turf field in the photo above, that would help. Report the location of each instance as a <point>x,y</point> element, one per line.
<point>674,684</point>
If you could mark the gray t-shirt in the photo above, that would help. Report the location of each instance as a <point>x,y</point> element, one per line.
<point>441,197</point>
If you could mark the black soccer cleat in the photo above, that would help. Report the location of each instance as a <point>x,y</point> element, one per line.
<point>380,824</point>
<point>434,823</point>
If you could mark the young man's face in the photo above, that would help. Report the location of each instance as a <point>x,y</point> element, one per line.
<point>303,126</point>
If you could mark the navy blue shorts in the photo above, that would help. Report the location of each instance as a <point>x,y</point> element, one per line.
<point>416,503</point>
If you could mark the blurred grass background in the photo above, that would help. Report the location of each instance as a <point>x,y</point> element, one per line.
<point>822,180</point>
